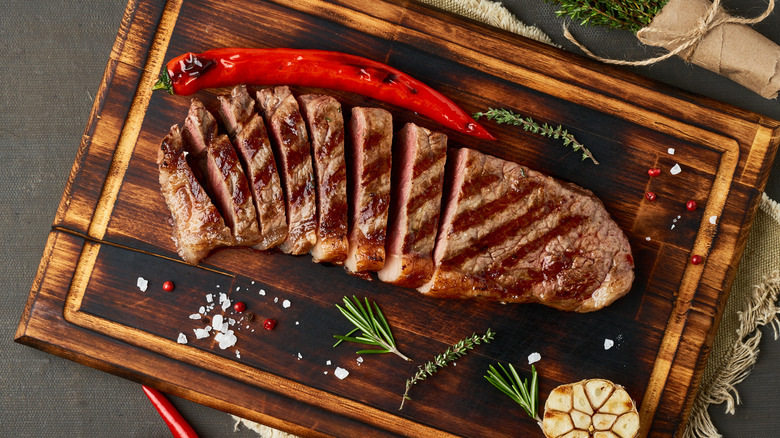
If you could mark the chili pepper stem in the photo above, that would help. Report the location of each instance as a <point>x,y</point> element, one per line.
<point>164,82</point>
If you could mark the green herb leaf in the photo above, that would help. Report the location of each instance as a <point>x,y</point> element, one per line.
<point>459,349</point>
<point>519,390</point>
<point>630,15</point>
<point>505,116</point>
<point>372,324</point>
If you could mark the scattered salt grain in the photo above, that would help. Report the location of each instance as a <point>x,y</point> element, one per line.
<point>299,356</point>
<point>238,288</point>
<point>672,227</point>
<point>276,299</point>
<point>327,362</point>
<point>675,169</point>
<point>195,316</point>
<point>262,292</point>
<point>238,354</point>
<point>231,321</point>
<point>325,372</point>
<point>297,323</point>
<point>533,358</point>
<point>217,286</point>
<point>226,304</point>
<point>182,338</point>
<point>142,284</point>
<point>608,343</point>
<point>253,282</point>
<point>647,238</point>
<point>713,220</point>
<point>210,298</point>
<point>226,340</point>
<point>670,151</point>
<point>341,373</point>
<point>359,360</point>
<point>202,333</point>
<point>286,304</point>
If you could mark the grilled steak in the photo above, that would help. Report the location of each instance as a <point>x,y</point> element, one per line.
<point>250,138</point>
<point>418,176</point>
<point>326,131</point>
<point>369,164</point>
<point>293,157</point>
<point>197,225</point>
<point>511,234</point>
<point>224,176</point>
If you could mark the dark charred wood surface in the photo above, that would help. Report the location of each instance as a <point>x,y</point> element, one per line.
<point>112,227</point>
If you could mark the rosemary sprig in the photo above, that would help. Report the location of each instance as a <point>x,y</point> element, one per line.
<point>373,327</point>
<point>510,383</point>
<point>505,116</point>
<point>453,352</point>
<point>629,15</point>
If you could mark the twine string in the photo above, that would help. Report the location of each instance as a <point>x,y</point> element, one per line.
<point>713,18</point>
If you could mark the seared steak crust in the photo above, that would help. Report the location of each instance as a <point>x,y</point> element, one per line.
<point>250,138</point>
<point>512,234</point>
<point>224,175</point>
<point>326,130</point>
<point>370,164</point>
<point>198,227</point>
<point>291,148</point>
<point>418,177</point>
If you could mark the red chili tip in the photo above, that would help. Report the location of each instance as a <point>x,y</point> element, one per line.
<point>653,172</point>
<point>168,286</point>
<point>650,196</point>
<point>269,324</point>
<point>691,205</point>
<point>696,259</point>
<point>239,306</point>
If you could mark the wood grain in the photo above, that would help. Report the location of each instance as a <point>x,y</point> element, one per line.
<point>112,227</point>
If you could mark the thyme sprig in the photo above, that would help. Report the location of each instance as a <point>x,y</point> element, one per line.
<point>505,116</point>
<point>370,321</point>
<point>519,390</point>
<point>459,349</point>
<point>629,15</point>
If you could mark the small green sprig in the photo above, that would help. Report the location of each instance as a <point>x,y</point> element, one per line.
<point>507,117</point>
<point>373,327</point>
<point>510,383</point>
<point>453,352</point>
<point>630,15</point>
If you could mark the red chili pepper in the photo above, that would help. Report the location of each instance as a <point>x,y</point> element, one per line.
<point>176,423</point>
<point>228,67</point>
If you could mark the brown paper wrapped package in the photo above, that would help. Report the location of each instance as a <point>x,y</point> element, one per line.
<point>735,51</point>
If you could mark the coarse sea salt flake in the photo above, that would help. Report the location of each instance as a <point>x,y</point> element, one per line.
<point>713,220</point>
<point>608,343</point>
<point>195,316</point>
<point>286,304</point>
<point>226,340</point>
<point>341,373</point>
<point>225,304</point>
<point>675,169</point>
<point>534,357</point>
<point>201,333</point>
<point>142,284</point>
<point>202,310</point>
<point>182,338</point>
<point>327,362</point>
<point>210,298</point>
<point>670,151</point>
<point>217,321</point>
<point>262,292</point>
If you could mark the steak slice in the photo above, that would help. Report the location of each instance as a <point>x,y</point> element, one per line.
<point>326,130</point>
<point>198,227</point>
<point>512,234</point>
<point>418,176</point>
<point>224,177</point>
<point>291,148</point>
<point>370,161</point>
<point>250,138</point>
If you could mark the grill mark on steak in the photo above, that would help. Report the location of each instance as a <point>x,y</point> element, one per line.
<point>369,165</point>
<point>540,240</point>
<point>418,176</point>
<point>250,138</point>
<point>224,176</point>
<point>293,157</point>
<point>198,227</point>
<point>325,123</point>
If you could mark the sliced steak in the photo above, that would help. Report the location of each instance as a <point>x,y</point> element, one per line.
<point>326,130</point>
<point>250,138</point>
<point>223,173</point>
<point>293,157</point>
<point>198,227</point>
<point>370,160</point>
<point>418,177</point>
<point>515,235</point>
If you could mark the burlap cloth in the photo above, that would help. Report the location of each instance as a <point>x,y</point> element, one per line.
<point>753,301</point>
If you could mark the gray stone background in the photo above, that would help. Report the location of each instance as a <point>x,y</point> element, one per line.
<point>52,57</point>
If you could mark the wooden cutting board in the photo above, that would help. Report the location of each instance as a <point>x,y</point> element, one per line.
<point>112,228</point>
